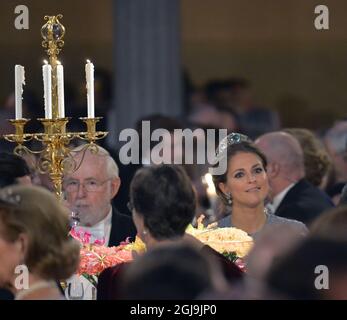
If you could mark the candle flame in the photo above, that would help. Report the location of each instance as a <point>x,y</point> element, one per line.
<point>88,61</point>
<point>211,190</point>
<point>208,179</point>
<point>45,61</point>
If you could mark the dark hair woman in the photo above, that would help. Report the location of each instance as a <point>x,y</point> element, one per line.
<point>244,186</point>
<point>162,202</point>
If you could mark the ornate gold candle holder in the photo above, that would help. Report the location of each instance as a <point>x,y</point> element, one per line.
<point>91,134</point>
<point>18,137</point>
<point>48,128</point>
<point>55,158</point>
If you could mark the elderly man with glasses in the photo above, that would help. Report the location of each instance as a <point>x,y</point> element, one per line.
<point>89,192</point>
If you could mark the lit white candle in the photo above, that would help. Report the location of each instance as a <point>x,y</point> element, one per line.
<point>90,88</point>
<point>19,82</point>
<point>47,85</point>
<point>60,80</point>
<point>211,190</point>
<point>211,194</point>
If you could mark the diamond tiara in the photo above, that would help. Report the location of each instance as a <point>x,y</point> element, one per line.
<point>230,139</point>
<point>8,197</point>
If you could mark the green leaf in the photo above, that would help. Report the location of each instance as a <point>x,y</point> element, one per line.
<point>231,256</point>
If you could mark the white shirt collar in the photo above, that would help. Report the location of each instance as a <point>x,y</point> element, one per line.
<point>279,197</point>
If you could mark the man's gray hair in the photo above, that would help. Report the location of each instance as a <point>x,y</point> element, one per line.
<point>286,150</point>
<point>111,165</point>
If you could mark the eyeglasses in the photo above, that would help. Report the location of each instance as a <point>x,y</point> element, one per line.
<point>91,185</point>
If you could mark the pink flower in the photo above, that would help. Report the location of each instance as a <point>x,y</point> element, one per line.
<point>96,258</point>
<point>241,264</point>
<point>80,235</point>
<point>85,237</point>
<point>100,242</point>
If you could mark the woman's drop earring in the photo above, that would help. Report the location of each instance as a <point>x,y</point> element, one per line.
<point>229,199</point>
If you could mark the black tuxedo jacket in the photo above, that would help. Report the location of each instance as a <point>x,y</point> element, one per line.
<point>6,295</point>
<point>122,228</point>
<point>304,202</point>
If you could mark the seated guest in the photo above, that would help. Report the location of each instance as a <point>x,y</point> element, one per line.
<point>89,192</point>
<point>244,186</point>
<point>13,170</point>
<point>332,224</point>
<point>272,244</point>
<point>127,171</point>
<point>292,195</point>
<point>316,159</point>
<point>335,142</point>
<point>335,192</point>
<point>34,234</point>
<point>162,201</point>
<point>173,271</point>
<point>315,270</point>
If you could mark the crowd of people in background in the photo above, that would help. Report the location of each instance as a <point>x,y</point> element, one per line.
<point>285,187</point>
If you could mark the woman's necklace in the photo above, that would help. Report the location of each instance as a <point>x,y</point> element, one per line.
<point>261,226</point>
<point>36,286</point>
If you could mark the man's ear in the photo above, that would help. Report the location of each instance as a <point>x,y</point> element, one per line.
<point>273,170</point>
<point>115,185</point>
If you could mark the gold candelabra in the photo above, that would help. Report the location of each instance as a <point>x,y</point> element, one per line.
<point>55,158</point>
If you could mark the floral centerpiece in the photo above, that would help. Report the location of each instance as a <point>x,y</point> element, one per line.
<point>233,243</point>
<point>95,256</point>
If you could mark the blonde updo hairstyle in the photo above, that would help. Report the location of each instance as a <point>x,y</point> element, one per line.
<point>316,158</point>
<point>51,253</point>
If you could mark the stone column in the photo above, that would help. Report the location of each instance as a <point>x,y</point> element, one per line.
<point>147,64</point>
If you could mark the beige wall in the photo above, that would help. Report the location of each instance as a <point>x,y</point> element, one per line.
<point>273,43</point>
